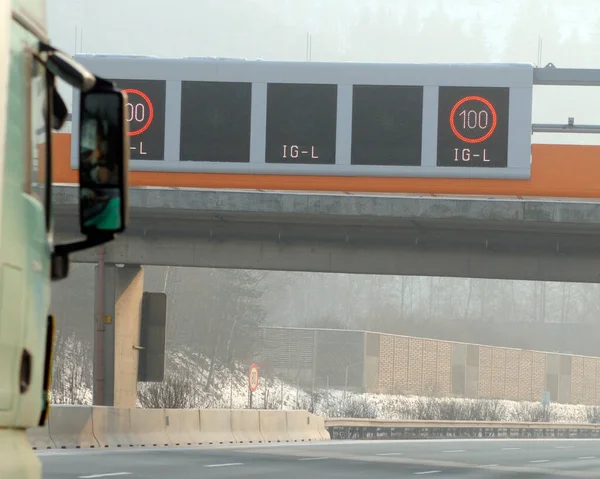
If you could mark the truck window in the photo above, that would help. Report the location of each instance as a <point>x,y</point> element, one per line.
<point>38,132</point>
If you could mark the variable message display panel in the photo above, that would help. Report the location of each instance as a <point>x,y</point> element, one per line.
<point>215,121</point>
<point>301,123</point>
<point>334,119</point>
<point>473,127</point>
<point>387,122</point>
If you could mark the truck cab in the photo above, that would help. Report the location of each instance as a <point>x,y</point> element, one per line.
<point>31,109</point>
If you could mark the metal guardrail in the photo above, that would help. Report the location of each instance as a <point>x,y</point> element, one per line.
<point>350,428</point>
<point>569,128</point>
<point>552,76</point>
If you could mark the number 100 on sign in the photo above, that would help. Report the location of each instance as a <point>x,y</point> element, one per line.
<point>474,120</point>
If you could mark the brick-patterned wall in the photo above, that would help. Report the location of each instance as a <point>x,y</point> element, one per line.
<point>525,372</point>
<point>498,373</point>
<point>577,380</point>
<point>400,364</point>
<point>589,381</point>
<point>485,372</point>
<point>538,376</point>
<point>409,365</point>
<point>415,365</point>
<point>394,364</point>
<point>512,374</point>
<point>386,363</point>
<point>430,352</point>
<point>444,368</point>
<point>597,401</point>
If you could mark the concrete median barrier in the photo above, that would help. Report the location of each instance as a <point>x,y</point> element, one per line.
<point>98,426</point>
<point>72,427</point>
<point>297,426</point>
<point>303,426</point>
<point>183,426</point>
<point>148,427</point>
<point>273,426</point>
<point>215,427</point>
<point>112,427</point>
<point>245,426</point>
<point>318,423</point>
<point>39,438</point>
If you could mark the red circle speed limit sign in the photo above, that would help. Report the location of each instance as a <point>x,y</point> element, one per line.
<point>253,378</point>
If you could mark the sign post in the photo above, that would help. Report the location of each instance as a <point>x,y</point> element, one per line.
<point>252,381</point>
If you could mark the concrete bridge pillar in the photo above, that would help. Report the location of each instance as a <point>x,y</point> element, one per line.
<point>118,305</point>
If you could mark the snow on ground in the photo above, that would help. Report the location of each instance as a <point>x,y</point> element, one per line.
<point>229,386</point>
<point>188,385</point>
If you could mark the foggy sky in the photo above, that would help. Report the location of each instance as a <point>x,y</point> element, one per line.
<point>508,30</point>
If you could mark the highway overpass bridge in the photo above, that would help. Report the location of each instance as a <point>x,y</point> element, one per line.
<point>475,237</point>
<point>311,129</point>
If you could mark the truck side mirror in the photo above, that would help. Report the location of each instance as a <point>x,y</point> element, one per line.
<point>103,162</point>
<point>103,157</point>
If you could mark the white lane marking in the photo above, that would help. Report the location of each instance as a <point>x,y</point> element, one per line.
<point>511,448</point>
<point>225,465</point>
<point>108,474</point>
<point>565,447</point>
<point>313,458</point>
<point>456,450</point>
<point>587,457</point>
<point>490,465</point>
<point>390,454</point>
<point>426,472</point>
<point>539,461</point>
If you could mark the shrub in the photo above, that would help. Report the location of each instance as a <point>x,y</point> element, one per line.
<point>176,392</point>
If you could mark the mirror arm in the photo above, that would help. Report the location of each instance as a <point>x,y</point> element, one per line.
<point>60,256</point>
<point>68,248</point>
<point>67,69</point>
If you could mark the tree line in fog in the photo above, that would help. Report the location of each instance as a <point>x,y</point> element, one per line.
<point>400,32</point>
<point>348,30</point>
<point>214,315</point>
<point>207,307</point>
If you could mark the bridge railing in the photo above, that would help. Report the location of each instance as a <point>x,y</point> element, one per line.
<point>552,76</point>
<point>350,428</point>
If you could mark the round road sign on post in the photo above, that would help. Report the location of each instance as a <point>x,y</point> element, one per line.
<point>253,378</point>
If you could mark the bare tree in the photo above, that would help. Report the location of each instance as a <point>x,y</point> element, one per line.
<point>71,371</point>
<point>176,392</point>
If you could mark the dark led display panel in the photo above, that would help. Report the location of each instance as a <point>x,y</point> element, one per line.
<point>215,121</point>
<point>387,124</point>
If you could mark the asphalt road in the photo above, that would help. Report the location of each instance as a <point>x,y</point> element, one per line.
<point>494,458</point>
